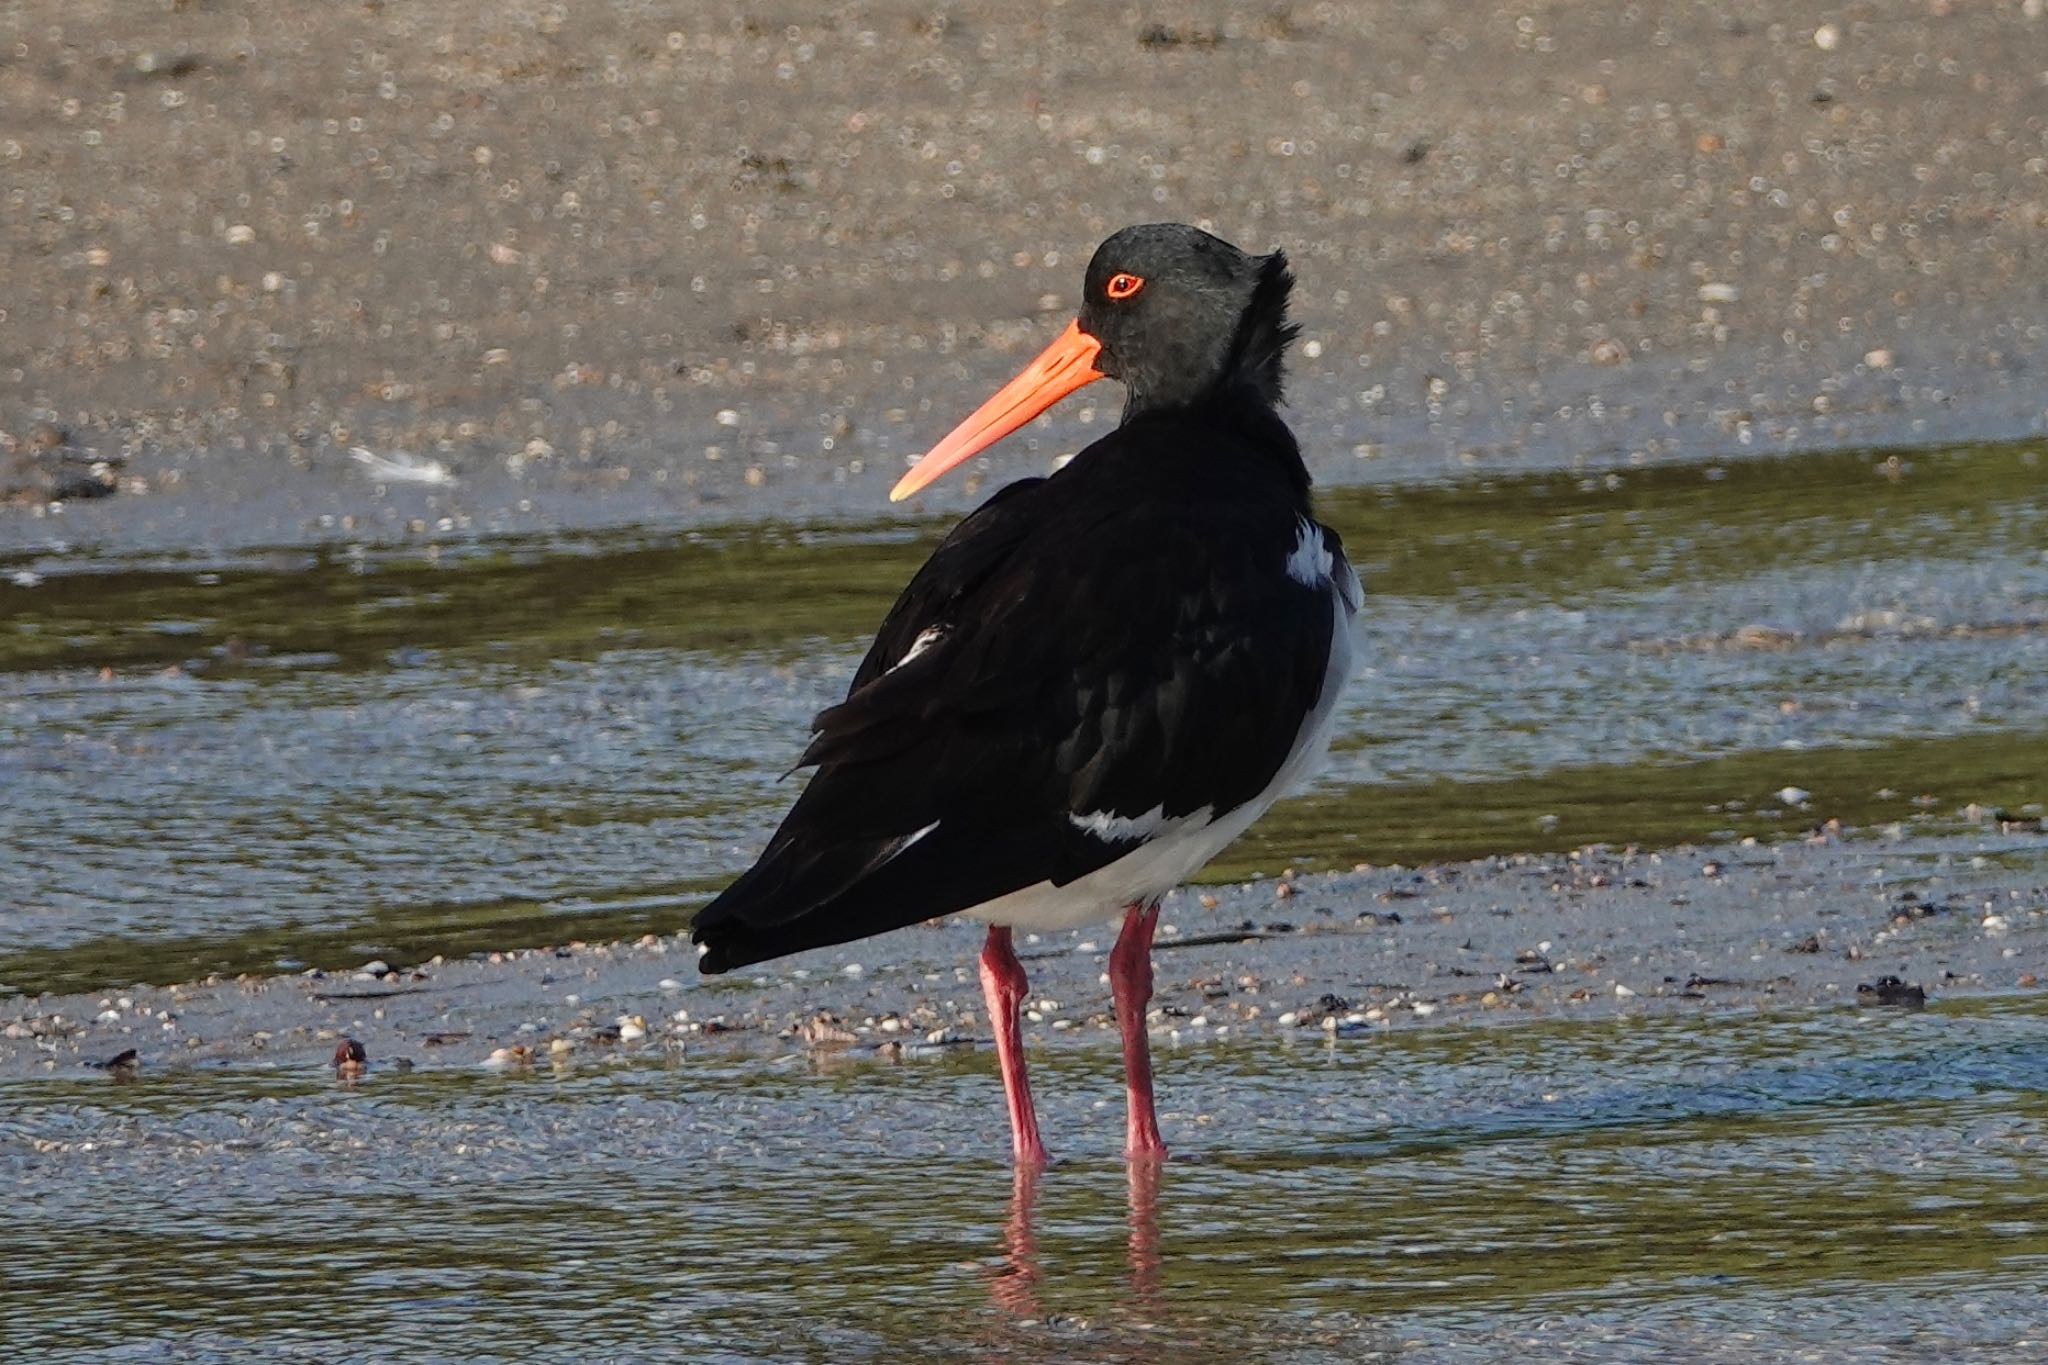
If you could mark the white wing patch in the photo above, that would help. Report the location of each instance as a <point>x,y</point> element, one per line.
<point>904,847</point>
<point>1119,829</point>
<point>926,638</point>
<point>1311,561</point>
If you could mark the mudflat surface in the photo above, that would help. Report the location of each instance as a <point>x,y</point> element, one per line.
<point>1587,935</point>
<point>612,262</point>
<point>1691,1144</point>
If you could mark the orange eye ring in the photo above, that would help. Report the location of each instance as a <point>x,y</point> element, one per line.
<point>1122,285</point>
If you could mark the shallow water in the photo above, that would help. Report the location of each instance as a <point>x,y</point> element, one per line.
<point>1863,1185</point>
<point>269,761</point>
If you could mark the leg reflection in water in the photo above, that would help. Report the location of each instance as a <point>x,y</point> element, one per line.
<point>1014,1285</point>
<point>1145,1233</point>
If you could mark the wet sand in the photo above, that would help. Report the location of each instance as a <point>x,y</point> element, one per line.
<point>1589,935</point>
<point>716,262</point>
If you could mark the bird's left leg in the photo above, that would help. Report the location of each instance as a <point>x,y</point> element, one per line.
<point>1130,984</point>
<point>1003,983</point>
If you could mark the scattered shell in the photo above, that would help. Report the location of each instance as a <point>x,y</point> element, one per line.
<point>632,1027</point>
<point>1718,292</point>
<point>506,1058</point>
<point>1794,796</point>
<point>401,467</point>
<point>825,1030</point>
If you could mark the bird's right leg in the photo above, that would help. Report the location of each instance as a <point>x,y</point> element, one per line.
<point>1003,982</point>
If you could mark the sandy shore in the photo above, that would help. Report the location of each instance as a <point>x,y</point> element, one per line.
<point>614,262</point>
<point>1587,935</point>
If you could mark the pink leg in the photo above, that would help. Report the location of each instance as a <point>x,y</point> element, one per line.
<point>1130,983</point>
<point>1002,981</point>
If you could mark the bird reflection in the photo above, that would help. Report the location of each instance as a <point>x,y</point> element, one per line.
<point>1145,1232</point>
<point>1014,1284</point>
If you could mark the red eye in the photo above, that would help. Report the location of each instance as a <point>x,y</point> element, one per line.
<point>1122,285</point>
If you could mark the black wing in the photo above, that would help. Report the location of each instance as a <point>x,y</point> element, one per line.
<point>1065,652</point>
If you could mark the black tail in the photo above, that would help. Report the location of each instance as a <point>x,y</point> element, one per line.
<point>763,915</point>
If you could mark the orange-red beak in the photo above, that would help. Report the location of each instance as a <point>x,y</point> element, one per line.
<point>1061,368</point>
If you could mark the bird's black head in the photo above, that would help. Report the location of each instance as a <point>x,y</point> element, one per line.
<point>1179,316</point>
<point>1182,315</point>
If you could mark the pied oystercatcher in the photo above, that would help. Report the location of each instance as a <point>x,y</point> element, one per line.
<point>1099,679</point>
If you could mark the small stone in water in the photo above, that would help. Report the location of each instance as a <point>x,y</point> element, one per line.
<point>350,1059</point>
<point>1889,990</point>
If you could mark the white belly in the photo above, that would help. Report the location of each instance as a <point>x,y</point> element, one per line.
<point>1182,846</point>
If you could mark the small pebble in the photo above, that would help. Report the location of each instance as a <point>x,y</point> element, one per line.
<point>351,1059</point>
<point>1890,990</point>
